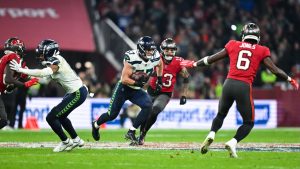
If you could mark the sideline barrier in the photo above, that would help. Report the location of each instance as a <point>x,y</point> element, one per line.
<point>196,114</point>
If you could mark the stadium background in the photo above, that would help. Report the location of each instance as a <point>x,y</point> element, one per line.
<point>93,36</point>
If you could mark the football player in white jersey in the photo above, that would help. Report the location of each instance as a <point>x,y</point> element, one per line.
<point>60,71</point>
<point>144,59</point>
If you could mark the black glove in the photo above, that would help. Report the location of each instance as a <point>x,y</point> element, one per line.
<point>158,84</point>
<point>139,83</point>
<point>182,100</point>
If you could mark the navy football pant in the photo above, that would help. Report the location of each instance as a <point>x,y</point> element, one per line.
<point>57,118</point>
<point>120,95</point>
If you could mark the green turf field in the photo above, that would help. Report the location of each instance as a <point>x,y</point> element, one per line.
<point>146,158</point>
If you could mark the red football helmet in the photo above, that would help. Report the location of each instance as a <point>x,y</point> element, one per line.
<point>15,45</point>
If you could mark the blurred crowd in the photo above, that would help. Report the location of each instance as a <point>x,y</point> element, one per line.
<point>202,27</point>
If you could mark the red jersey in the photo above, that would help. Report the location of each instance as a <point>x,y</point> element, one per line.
<point>3,62</point>
<point>170,72</point>
<point>245,59</point>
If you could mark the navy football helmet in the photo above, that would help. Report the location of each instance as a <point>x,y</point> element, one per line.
<point>15,45</point>
<point>168,48</point>
<point>251,31</point>
<point>145,44</point>
<point>47,48</point>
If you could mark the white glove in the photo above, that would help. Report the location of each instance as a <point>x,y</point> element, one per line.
<point>14,65</point>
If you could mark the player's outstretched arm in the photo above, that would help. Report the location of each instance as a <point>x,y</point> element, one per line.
<point>279,73</point>
<point>207,60</point>
<point>9,79</point>
<point>14,65</point>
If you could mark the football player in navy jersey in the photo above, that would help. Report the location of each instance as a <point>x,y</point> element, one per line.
<point>143,59</point>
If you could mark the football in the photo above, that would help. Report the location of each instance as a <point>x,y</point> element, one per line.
<point>139,75</point>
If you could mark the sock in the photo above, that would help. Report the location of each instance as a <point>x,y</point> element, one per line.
<point>77,139</point>
<point>132,128</point>
<point>66,141</point>
<point>232,141</point>
<point>211,134</point>
<point>96,125</point>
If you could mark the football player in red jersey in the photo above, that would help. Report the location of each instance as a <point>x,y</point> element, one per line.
<point>14,49</point>
<point>245,57</point>
<point>171,68</point>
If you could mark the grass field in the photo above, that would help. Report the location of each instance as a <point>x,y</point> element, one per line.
<point>95,155</point>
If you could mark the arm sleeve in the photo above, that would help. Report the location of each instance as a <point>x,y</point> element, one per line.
<point>37,72</point>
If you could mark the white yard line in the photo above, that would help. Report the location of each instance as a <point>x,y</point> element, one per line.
<point>278,147</point>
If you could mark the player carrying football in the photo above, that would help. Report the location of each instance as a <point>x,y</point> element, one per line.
<point>144,59</point>
<point>245,57</point>
<point>171,69</point>
<point>14,48</point>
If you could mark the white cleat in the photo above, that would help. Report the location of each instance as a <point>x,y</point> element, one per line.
<point>63,145</point>
<point>207,142</point>
<point>230,146</point>
<point>79,143</point>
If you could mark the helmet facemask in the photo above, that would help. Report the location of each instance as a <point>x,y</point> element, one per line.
<point>146,47</point>
<point>251,32</point>
<point>169,49</point>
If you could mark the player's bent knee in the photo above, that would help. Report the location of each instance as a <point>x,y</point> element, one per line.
<point>249,123</point>
<point>157,109</point>
<point>3,123</point>
<point>50,117</point>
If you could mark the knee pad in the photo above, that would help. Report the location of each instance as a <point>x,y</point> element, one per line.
<point>3,123</point>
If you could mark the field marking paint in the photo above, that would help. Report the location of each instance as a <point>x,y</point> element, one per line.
<point>267,147</point>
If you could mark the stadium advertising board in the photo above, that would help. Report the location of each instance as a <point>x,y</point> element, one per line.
<point>65,21</point>
<point>196,114</point>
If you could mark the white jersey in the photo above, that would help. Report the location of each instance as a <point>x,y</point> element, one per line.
<point>65,75</point>
<point>139,65</point>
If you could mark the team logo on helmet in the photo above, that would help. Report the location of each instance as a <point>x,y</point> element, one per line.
<point>145,44</point>
<point>15,45</point>
<point>251,31</point>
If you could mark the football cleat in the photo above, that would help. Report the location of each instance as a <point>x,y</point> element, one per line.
<point>230,146</point>
<point>207,142</point>
<point>95,132</point>
<point>141,138</point>
<point>79,143</point>
<point>63,145</point>
<point>130,135</point>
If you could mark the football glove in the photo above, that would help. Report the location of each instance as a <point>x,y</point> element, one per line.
<point>182,100</point>
<point>31,82</point>
<point>188,63</point>
<point>295,84</point>
<point>158,85</point>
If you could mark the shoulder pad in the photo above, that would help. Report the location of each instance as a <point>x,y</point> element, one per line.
<point>52,61</point>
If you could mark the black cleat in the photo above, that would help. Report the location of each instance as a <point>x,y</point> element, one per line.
<point>130,135</point>
<point>141,138</point>
<point>95,132</point>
